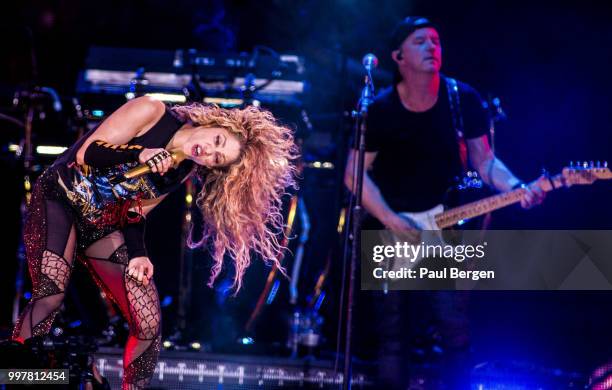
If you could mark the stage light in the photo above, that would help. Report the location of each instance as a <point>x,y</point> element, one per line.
<point>97,113</point>
<point>167,301</point>
<point>50,150</point>
<point>195,345</point>
<point>168,97</point>
<point>321,165</point>
<point>14,148</point>
<point>167,344</point>
<point>247,341</point>
<point>224,102</point>
<point>75,324</point>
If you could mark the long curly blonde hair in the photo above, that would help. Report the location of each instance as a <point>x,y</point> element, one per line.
<point>241,204</point>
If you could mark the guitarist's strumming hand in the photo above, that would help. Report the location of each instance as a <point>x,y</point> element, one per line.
<point>533,195</point>
<point>403,227</point>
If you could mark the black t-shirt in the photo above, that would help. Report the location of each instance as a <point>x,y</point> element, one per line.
<point>418,154</point>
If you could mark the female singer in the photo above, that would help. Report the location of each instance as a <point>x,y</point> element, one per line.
<point>243,157</point>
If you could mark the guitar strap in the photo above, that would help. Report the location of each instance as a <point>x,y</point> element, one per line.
<point>455,108</point>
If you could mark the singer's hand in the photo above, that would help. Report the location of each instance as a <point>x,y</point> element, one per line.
<point>140,269</point>
<point>159,160</point>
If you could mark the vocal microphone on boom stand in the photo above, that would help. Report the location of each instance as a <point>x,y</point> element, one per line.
<point>369,62</point>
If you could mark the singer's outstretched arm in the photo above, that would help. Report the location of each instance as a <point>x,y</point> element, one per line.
<point>132,119</point>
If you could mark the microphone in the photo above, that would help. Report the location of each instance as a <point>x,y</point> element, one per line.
<point>370,62</point>
<point>499,111</point>
<point>143,169</point>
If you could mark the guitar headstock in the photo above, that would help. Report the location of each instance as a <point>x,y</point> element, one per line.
<point>585,173</point>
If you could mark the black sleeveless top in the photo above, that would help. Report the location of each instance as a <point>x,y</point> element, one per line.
<point>89,191</point>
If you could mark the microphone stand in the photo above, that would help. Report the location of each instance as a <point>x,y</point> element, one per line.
<point>360,115</point>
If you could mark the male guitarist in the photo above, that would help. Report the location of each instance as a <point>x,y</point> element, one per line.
<point>414,153</point>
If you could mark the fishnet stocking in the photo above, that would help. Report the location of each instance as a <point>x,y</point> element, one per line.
<point>139,304</point>
<point>50,239</point>
<point>144,308</point>
<point>56,268</point>
<point>50,271</point>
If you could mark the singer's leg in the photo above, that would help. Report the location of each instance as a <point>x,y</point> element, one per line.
<point>49,238</point>
<point>139,304</point>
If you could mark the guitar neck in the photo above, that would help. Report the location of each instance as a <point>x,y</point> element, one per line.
<point>451,217</point>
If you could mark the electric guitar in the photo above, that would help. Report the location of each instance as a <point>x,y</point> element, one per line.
<point>434,220</point>
<point>437,218</point>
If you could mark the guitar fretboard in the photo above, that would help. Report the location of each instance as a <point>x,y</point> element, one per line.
<point>480,207</point>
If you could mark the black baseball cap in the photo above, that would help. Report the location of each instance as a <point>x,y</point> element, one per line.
<point>406,27</point>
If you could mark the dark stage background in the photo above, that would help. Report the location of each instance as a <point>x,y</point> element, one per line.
<point>549,62</point>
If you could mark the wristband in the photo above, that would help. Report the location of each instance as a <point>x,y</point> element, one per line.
<point>103,154</point>
<point>133,235</point>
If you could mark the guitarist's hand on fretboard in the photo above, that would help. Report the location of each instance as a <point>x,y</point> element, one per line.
<point>534,194</point>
